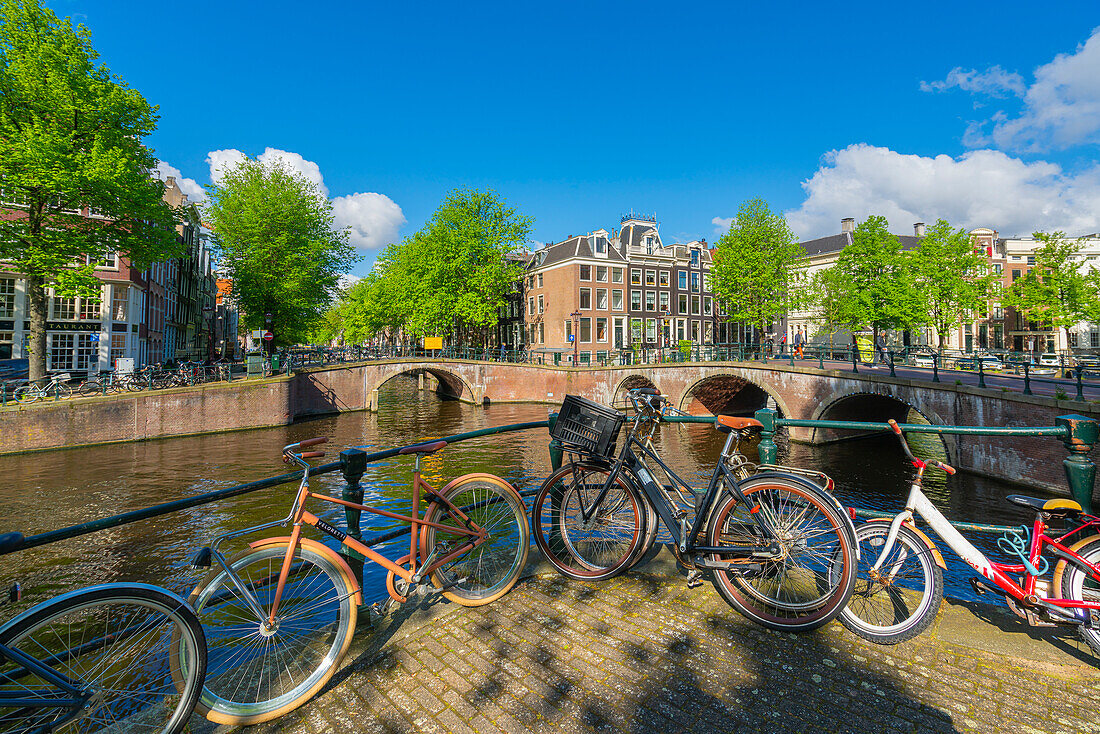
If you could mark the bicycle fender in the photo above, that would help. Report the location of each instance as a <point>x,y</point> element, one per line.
<point>924,538</point>
<point>1060,566</point>
<point>321,549</point>
<point>493,478</point>
<point>774,475</point>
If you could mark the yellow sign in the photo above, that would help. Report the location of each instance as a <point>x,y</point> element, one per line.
<point>433,342</point>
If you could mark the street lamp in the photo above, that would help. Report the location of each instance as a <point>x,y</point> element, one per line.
<point>576,315</point>
<point>663,337</point>
<point>269,346</point>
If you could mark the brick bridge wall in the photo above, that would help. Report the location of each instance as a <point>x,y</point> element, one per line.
<point>797,392</point>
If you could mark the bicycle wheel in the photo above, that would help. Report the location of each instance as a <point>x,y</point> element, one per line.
<point>255,674</point>
<point>898,601</point>
<point>138,650</point>
<point>26,394</point>
<point>809,581</point>
<point>91,387</point>
<point>1077,584</point>
<point>485,573</point>
<point>604,546</point>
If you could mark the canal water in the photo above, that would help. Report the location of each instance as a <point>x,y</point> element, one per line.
<point>46,491</point>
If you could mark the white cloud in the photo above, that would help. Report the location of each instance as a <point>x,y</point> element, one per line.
<point>722,224</point>
<point>294,163</point>
<point>194,190</point>
<point>982,188</point>
<point>373,219</point>
<point>994,81</point>
<point>221,161</point>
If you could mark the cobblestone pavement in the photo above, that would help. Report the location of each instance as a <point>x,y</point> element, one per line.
<point>644,653</point>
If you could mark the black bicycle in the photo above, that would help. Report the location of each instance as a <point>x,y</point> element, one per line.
<point>780,549</point>
<point>119,657</point>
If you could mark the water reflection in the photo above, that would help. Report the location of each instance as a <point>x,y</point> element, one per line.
<point>51,490</point>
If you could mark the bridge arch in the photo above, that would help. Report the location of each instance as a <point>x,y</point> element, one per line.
<point>630,382</point>
<point>451,384</point>
<point>875,407</point>
<point>730,393</point>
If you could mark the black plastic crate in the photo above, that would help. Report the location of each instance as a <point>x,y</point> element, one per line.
<point>589,426</point>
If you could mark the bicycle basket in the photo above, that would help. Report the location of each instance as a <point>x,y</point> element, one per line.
<point>588,426</point>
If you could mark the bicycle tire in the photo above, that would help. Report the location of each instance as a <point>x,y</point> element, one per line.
<point>891,607</point>
<point>317,588</point>
<point>143,645</point>
<point>26,394</point>
<point>1076,585</point>
<point>610,543</point>
<point>91,387</point>
<point>781,596</point>
<point>487,572</point>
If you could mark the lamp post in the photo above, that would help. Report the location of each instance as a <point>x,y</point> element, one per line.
<point>663,337</point>
<point>269,346</point>
<point>576,315</point>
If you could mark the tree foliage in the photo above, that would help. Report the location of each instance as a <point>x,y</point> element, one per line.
<point>273,230</point>
<point>1057,290</point>
<point>872,284</point>
<point>450,278</point>
<point>754,266</point>
<point>952,278</point>
<point>70,138</point>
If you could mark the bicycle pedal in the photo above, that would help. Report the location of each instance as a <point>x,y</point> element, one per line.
<point>695,578</point>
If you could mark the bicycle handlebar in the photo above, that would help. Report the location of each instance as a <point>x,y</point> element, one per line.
<point>919,463</point>
<point>312,442</point>
<point>312,455</point>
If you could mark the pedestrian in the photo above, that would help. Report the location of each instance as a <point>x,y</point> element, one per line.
<point>855,349</point>
<point>799,343</point>
<point>783,344</point>
<point>881,348</point>
<point>502,352</point>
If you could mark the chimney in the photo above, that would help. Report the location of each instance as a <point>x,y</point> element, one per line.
<point>170,181</point>
<point>848,224</point>
<point>918,229</point>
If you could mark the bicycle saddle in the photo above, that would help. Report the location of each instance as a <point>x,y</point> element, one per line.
<point>423,448</point>
<point>1064,508</point>
<point>727,423</point>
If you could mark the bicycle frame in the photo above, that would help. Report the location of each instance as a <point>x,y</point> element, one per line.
<point>299,517</point>
<point>78,696</point>
<point>993,571</point>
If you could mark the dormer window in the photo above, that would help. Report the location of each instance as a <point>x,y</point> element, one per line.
<point>649,245</point>
<point>694,258</point>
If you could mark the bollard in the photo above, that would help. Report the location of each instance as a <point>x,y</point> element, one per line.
<point>353,463</point>
<point>767,448</point>
<point>981,374</point>
<point>1027,378</point>
<point>855,360</point>
<point>1080,395</point>
<point>820,360</point>
<point>792,358</point>
<point>935,368</point>
<point>1080,471</point>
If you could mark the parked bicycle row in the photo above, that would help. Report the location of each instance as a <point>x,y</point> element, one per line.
<point>274,614</point>
<point>62,386</point>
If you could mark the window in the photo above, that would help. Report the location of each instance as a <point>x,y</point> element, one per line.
<point>1094,338</point>
<point>109,261</point>
<point>1015,275</point>
<point>695,305</point>
<point>636,330</point>
<point>635,300</point>
<point>635,277</point>
<point>586,272</point>
<point>694,258</point>
<point>662,300</point>
<point>682,278</point>
<point>706,306</point>
<point>650,301</point>
<point>542,332</point>
<point>118,347</point>
<point>540,303</point>
<point>695,282</point>
<point>586,298</point>
<point>601,273</point>
<point>683,306</point>
<point>601,299</point>
<point>63,308</point>
<point>531,282</point>
<point>7,298</point>
<point>90,309</point>
<point>540,280</point>
<point>664,279</point>
<point>60,348</point>
<point>708,333</point>
<point>601,329</point>
<point>681,329</point>
<point>1030,259</point>
<point>86,352</point>
<point>651,277</point>
<point>998,312</point>
<point>568,330</point>
<point>998,268</point>
<point>695,331</point>
<point>616,300</point>
<point>705,283</point>
<point>651,330</point>
<point>649,245</point>
<point>531,305</point>
<point>616,275</point>
<point>601,245</point>
<point>586,329</point>
<point>120,303</point>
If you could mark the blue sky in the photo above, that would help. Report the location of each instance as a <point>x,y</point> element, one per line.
<point>577,112</point>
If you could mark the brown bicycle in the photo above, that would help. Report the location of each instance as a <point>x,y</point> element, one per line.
<point>280,616</point>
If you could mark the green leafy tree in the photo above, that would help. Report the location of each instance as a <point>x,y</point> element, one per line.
<point>70,140</point>
<point>1056,291</point>
<point>754,266</point>
<point>273,230</point>
<point>872,284</point>
<point>952,277</point>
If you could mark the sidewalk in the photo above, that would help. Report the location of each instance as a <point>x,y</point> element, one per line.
<point>644,653</point>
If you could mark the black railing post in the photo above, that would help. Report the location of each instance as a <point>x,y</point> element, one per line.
<point>1081,434</point>
<point>767,448</point>
<point>981,374</point>
<point>353,463</point>
<point>820,360</point>
<point>1079,369</point>
<point>935,368</point>
<point>855,360</point>
<point>1027,378</point>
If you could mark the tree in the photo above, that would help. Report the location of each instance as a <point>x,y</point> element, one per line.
<point>872,283</point>
<point>273,231</point>
<point>952,277</point>
<point>1055,291</point>
<point>70,140</point>
<point>754,266</point>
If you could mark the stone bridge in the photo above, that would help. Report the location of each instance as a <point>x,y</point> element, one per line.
<point>739,388</point>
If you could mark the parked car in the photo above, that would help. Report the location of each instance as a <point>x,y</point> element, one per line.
<point>923,360</point>
<point>1049,360</point>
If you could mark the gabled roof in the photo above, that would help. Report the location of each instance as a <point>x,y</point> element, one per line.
<point>837,242</point>
<point>579,246</point>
